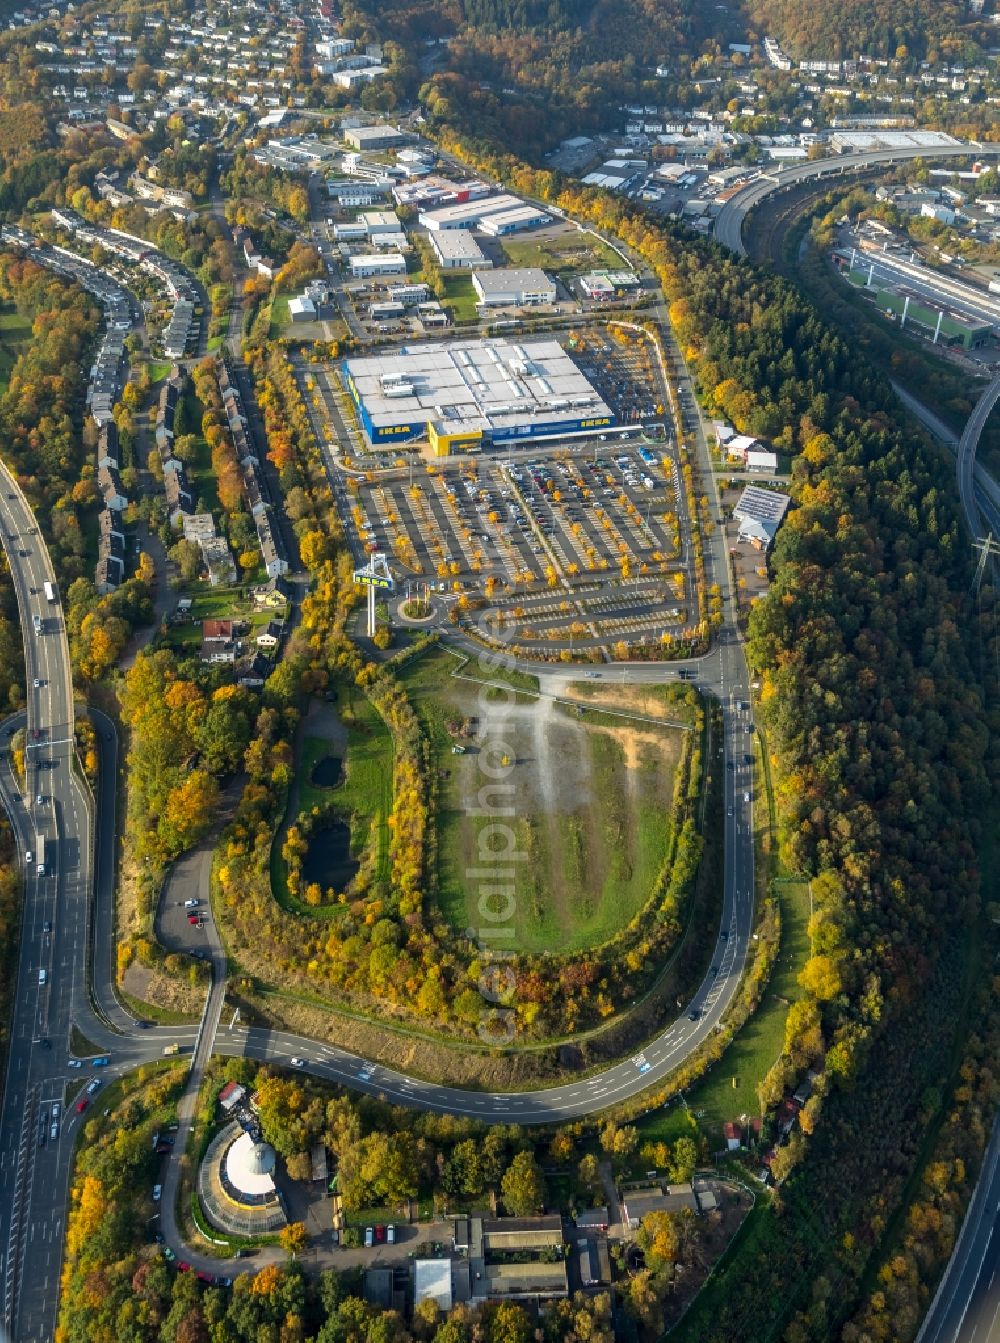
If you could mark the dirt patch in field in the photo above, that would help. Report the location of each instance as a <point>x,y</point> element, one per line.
<point>161,990</point>
<point>646,700</point>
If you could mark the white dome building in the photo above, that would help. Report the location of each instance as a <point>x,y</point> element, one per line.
<point>249,1168</point>
<point>236,1184</point>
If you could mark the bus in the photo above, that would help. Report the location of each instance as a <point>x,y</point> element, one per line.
<point>50,592</point>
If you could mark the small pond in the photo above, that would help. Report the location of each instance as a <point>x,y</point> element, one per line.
<point>328,859</point>
<point>327,772</point>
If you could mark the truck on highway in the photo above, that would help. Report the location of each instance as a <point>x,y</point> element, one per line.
<point>168,1050</point>
<point>50,592</point>
<point>40,856</point>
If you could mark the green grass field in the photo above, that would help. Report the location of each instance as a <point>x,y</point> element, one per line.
<point>567,254</point>
<point>460,297</point>
<point>15,333</point>
<point>279,316</point>
<point>589,807</point>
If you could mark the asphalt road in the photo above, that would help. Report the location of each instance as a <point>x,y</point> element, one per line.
<point>32,1219</point>
<point>33,1176</point>
<point>966,1308</point>
<point>729,222</point>
<point>966,458</point>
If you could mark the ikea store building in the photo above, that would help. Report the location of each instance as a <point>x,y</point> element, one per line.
<point>469,394</point>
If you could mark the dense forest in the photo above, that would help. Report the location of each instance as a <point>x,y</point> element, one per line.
<point>507,60</point>
<point>916,29</point>
<point>867,647</point>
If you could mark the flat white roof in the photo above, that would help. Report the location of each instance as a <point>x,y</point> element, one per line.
<point>432,1280</point>
<point>470,211</point>
<point>520,214</point>
<point>516,280</point>
<point>456,245</point>
<point>382,219</point>
<point>476,384</point>
<point>384,260</point>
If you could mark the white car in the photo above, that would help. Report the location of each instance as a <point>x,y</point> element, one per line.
<point>190,904</point>
<point>157,1192</point>
<point>298,1063</point>
<point>37,683</point>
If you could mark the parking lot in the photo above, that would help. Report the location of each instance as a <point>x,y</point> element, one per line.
<point>577,546</point>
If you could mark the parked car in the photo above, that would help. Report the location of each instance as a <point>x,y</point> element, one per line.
<point>380,1234</point>
<point>369,1237</point>
<point>390,1235</point>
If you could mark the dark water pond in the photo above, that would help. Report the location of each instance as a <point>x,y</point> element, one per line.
<point>327,772</point>
<point>328,859</point>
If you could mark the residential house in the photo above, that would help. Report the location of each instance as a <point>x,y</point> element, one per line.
<point>110,486</point>
<point>270,638</point>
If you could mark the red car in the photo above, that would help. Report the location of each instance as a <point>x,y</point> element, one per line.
<point>379,1233</point>
<point>81,1105</point>
<point>192,918</point>
<point>184,1267</point>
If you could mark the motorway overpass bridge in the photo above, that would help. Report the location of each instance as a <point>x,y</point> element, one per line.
<point>729,222</point>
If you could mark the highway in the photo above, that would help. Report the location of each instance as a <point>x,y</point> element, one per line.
<point>32,1220</point>
<point>53,937</point>
<point>966,457</point>
<point>966,1307</point>
<point>729,222</point>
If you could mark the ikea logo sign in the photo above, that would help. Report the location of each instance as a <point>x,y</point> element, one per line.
<point>595,424</point>
<point>393,431</point>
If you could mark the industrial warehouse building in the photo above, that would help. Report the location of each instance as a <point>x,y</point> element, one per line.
<point>510,287</point>
<point>376,138</point>
<point>457,249</point>
<point>390,263</point>
<point>472,393</point>
<point>511,211</point>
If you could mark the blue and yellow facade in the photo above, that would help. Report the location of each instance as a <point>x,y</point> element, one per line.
<point>445,441</point>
